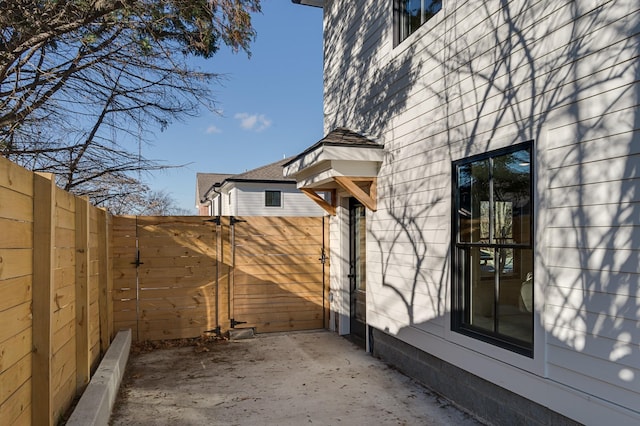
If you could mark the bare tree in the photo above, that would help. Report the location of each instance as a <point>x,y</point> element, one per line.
<point>78,78</point>
<point>161,203</point>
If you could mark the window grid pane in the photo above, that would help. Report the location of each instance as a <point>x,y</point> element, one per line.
<point>414,13</point>
<point>272,199</point>
<point>494,280</point>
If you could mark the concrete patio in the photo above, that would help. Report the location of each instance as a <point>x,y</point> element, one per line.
<point>275,379</point>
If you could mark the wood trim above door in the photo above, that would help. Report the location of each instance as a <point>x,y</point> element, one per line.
<point>363,189</point>
<point>367,199</point>
<point>328,207</point>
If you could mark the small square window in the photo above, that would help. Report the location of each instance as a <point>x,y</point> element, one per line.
<point>273,198</point>
<point>411,14</point>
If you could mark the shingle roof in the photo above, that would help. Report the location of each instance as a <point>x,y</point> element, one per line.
<point>204,182</point>
<point>340,136</point>
<point>270,172</point>
<point>343,136</point>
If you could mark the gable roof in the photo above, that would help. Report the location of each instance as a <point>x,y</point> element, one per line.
<point>205,181</point>
<point>269,173</point>
<point>340,136</point>
<point>343,160</point>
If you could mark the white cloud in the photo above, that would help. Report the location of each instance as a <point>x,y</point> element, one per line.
<point>213,129</point>
<point>254,122</point>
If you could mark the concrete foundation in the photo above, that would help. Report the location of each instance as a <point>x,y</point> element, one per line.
<point>489,402</point>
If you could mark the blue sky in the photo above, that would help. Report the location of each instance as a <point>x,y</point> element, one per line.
<point>270,104</point>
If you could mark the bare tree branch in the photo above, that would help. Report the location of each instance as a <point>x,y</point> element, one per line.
<point>81,79</point>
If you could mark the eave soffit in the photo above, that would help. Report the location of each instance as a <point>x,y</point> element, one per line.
<point>343,160</point>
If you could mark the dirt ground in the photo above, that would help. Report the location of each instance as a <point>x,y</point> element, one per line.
<point>275,379</point>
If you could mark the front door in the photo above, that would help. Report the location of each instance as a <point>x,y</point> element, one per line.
<point>357,270</point>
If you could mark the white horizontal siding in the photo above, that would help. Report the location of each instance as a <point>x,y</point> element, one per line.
<point>593,237</point>
<point>250,201</point>
<point>581,315</point>
<point>612,282</point>
<point>620,382</point>
<point>593,216</point>
<point>480,76</point>
<point>611,146</point>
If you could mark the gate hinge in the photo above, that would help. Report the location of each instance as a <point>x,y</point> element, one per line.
<point>234,220</point>
<point>216,331</point>
<point>323,257</point>
<point>215,220</point>
<point>234,322</point>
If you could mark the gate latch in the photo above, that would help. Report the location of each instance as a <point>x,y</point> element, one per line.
<point>323,258</point>
<point>137,262</point>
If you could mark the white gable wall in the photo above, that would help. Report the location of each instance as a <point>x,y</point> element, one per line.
<point>480,76</point>
<point>248,199</point>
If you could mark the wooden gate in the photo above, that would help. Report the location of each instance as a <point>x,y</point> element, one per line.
<point>177,277</point>
<point>278,273</point>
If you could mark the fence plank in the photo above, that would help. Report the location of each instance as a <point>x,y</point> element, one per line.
<point>14,377</point>
<point>43,253</point>
<point>15,320</point>
<point>15,177</point>
<point>17,235</point>
<point>15,347</point>
<point>15,291</point>
<point>20,401</point>
<point>15,263</point>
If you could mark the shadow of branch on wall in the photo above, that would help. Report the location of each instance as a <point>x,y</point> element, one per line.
<point>561,74</point>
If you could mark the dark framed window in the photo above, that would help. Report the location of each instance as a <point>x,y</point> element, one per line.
<point>411,14</point>
<point>493,248</point>
<point>272,198</point>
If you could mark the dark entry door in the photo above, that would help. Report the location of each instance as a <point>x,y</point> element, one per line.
<point>357,269</point>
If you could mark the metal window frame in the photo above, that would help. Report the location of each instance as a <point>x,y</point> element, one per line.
<point>460,284</point>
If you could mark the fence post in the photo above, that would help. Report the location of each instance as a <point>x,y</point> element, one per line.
<point>105,283</point>
<point>83,353</point>
<point>225,269</point>
<point>43,245</point>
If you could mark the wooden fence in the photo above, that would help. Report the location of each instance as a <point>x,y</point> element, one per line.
<point>178,277</point>
<point>71,275</point>
<point>165,271</point>
<point>55,313</point>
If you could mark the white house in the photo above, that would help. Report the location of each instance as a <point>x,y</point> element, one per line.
<point>259,192</point>
<point>484,158</point>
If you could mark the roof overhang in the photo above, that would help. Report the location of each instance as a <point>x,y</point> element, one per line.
<point>342,160</point>
<point>316,3</point>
